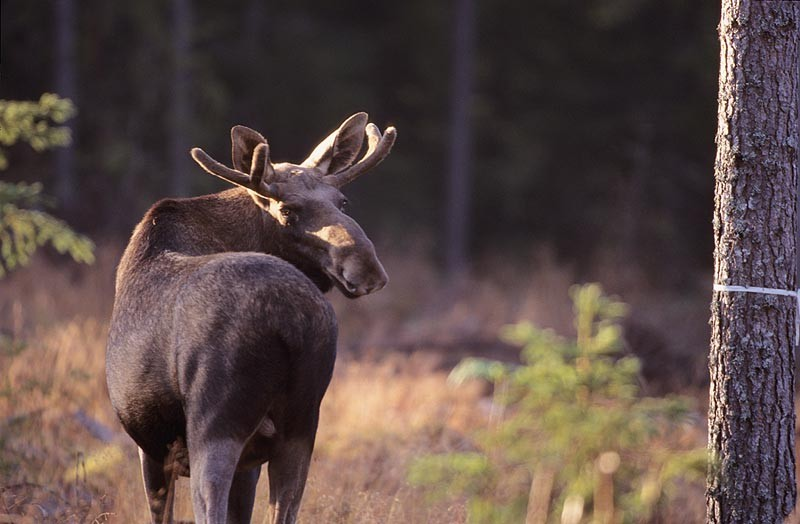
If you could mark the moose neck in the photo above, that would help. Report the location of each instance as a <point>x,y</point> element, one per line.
<point>263,235</point>
<point>228,221</point>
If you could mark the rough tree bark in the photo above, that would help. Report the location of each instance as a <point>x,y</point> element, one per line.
<point>751,409</point>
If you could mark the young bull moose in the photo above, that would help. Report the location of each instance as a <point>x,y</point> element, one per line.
<point>221,343</point>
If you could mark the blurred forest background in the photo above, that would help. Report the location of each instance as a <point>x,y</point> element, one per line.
<point>592,122</point>
<point>540,144</point>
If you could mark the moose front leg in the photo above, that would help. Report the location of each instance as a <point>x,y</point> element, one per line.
<point>288,469</point>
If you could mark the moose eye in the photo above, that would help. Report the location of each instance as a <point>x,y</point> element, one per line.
<point>289,214</point>
<point>343,205</point>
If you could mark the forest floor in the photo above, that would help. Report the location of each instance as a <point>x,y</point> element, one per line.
<point>64,457</point>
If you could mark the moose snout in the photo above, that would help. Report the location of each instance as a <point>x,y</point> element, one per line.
<point>377,281</point>
<point>362,276</point>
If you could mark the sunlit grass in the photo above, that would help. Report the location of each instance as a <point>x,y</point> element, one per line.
<point>375,418</point>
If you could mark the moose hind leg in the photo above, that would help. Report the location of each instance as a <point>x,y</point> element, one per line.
<point>242,495</point>
<point>213,465</point>
<point>157,487</point>
<point>288,470</point>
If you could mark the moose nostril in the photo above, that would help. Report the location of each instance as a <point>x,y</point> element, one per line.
<point>378,285</point>
<point>362,277</point>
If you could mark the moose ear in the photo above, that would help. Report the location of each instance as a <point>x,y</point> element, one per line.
<point>243,142</point>
<point>340,149</point>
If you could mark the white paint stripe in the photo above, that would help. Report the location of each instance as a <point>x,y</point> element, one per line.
<point>770,291</point>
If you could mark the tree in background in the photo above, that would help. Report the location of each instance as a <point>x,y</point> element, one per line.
<point>590,120</point>
<point>460,158</point>
<point>180,99</point>
<point>65,72</point>
<point>751,415</point>
<point>23,227</point>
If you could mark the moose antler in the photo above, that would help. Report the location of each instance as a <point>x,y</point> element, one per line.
<point>378,148</point>
<point>261,170</point>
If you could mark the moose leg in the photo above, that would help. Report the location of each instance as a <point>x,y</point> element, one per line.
<point>156,487</point>
<point>288,469</point>
<point>242,495</point>
<point>212,464</point>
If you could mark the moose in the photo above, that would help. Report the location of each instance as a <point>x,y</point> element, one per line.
<point>222,344</point>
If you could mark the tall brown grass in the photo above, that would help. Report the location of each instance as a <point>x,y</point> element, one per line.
<point>64,458</point>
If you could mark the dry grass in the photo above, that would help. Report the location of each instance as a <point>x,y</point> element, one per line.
<point>374,420</point>
<point>60,444</point>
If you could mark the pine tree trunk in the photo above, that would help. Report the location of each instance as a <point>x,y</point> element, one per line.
<point>751,404</point>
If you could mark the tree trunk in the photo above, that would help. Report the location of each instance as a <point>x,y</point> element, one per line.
<point>65,86</point>
<point>632,208</point>
<point>751,406</point>
<point>458,173</point>
<point>255,32</point>
<point>180,114</point>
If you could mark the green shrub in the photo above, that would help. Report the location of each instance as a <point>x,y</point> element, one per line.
<point>23,230</point>
<point>24,227</point>
<point>569,433</point>
<point>29,122</point>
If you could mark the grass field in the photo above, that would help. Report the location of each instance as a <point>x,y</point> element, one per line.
<point>64,458</point>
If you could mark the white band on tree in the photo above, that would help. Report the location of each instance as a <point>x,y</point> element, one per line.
<point>770,291</point>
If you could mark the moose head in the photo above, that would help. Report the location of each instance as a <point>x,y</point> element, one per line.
<point>304,204</point>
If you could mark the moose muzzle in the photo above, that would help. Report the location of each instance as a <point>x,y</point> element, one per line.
<point>353,263</point>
